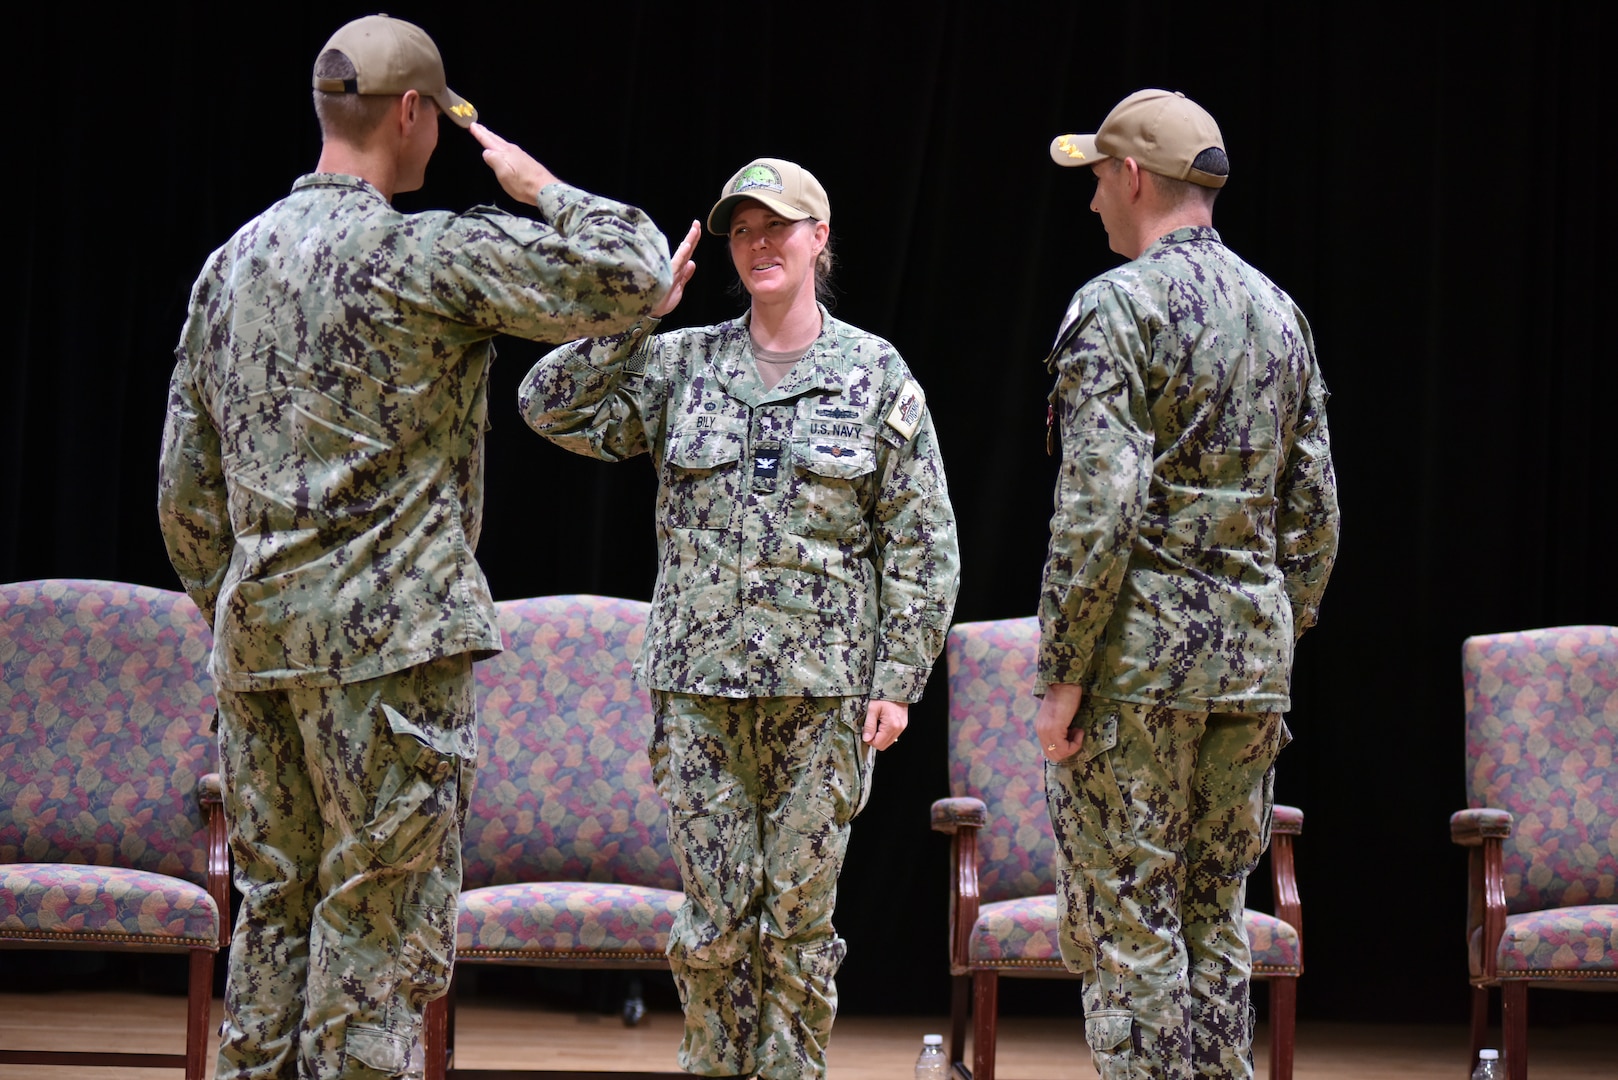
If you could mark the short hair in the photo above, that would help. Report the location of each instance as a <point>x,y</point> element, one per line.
<point>347,117</point>
<point>1179,192</point>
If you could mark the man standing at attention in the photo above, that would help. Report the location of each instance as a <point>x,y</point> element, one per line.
<point>1195,526</point>
<point>320,496</point>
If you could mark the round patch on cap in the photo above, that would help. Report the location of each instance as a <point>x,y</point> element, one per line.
<point>758,177</point>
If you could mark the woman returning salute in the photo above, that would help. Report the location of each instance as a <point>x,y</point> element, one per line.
<point>807,569</point>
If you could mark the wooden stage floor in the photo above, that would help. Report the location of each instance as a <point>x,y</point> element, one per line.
<point>493,1035</point>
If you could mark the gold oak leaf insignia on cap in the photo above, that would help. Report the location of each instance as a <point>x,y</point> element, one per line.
<point>463,109</point>
<point>1070,148</point>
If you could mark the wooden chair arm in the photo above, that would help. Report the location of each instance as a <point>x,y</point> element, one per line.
<point>1286,822</point>
<point>960,812</point>
<point>961,818</point>
<point>1483,831</point>
<point>1470,828</point>
<point>211,795</point>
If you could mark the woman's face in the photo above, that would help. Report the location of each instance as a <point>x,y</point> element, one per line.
<point>774,257</point>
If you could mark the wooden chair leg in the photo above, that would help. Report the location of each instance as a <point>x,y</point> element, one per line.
<point>960,1000</point>
<point>1514,1028</point>
<point>197,1014</point>
<point>435,1050</point>
<point>1480,1022</point>
<point>1283,1026</point>
<point>985,1017</point>
<point>449,1028</point>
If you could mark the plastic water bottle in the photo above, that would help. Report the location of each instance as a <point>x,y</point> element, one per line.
<point>1489,1066</point>
<point>933,1064</point>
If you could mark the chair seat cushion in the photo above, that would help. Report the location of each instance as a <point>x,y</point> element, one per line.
<point>1022,934</point>
<point>71,903</point>
<point>1273,943</point>
<point>540,921</point>
<point>1561,943</point>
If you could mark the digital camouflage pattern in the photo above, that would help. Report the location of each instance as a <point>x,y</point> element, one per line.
<point>320,494</point>
<point>322,470</point>
<point>807,563</point>
<point>1196,523</point>
<point>806,543</point>
<point>760,794</point>
<point>349,871</point>
<point>1196,508</point>
<point>1159,820</point>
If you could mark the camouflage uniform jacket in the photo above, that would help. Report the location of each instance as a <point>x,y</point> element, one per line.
<point>1196,507</point>
<point>806,544</point>
<point>321,484</point>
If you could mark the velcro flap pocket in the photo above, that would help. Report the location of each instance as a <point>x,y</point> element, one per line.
<point>1100,734</point>
<point>704,448</point>
<point>377,1049</point>
<point>1107,1032</point>
<point>440,742</point>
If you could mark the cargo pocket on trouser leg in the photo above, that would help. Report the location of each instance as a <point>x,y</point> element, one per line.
<point>1110,1036</point>
<point>418,801</point>
<point>374,1052</point>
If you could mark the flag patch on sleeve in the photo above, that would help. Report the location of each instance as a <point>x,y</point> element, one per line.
<point>906,412</point>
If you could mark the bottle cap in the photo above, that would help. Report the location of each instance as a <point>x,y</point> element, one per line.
<point>932,1040</point>
<point>1488,1055</point>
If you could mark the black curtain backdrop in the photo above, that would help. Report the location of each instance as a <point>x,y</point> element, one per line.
<point>1424,185</point>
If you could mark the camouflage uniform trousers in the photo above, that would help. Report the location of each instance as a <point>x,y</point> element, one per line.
<point>345,806</point>
<point>1159,819</point>
<point>761,792</point>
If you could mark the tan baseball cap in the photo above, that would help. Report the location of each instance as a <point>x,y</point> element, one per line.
<point>789,189</point>
<point>1163,130</point>
<point>390,57</point>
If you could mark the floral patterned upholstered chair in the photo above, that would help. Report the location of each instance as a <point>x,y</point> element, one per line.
<point>566,855</point>
<point>1542,823</point>
<point>1004,911</point>
<point>111,831</point>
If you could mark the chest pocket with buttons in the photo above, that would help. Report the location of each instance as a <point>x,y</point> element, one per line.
<point>833,486</point>
<point>702,477</point>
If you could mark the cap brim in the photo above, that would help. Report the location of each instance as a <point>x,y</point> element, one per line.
<point>456,107</point>
<point>719,216</point>
<point>1072,151</point>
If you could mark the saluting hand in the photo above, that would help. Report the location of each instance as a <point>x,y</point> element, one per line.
<point>684,266</point>
<point>520,175</point>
